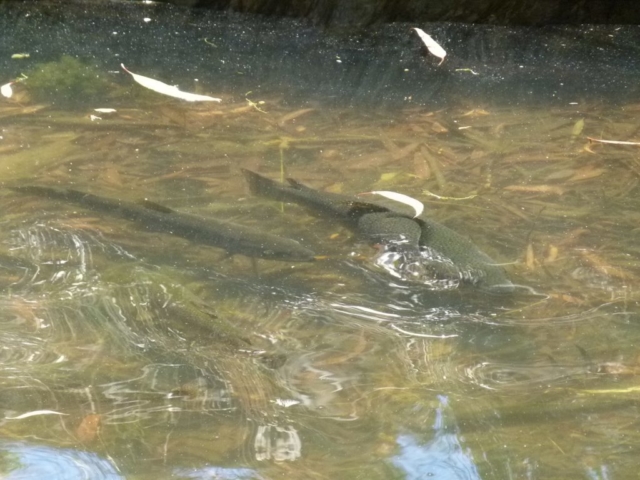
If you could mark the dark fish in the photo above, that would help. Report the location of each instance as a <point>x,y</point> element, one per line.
<point>231,237</point>
<point>414,249</point>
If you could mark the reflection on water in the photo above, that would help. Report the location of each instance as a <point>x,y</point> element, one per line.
<point>22,461</point>
<point>442,457</point>
<point>209,473</point>
<point>138,354</point>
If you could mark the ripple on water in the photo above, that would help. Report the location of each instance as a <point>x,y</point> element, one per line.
<point>62,259</point>
<point>521,378</point>
<point>170,389</point>
<point>22,350</point>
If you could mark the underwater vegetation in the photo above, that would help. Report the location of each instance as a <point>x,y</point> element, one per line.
<point>68,81</point>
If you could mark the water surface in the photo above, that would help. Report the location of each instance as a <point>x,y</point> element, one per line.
<point>142,355</point>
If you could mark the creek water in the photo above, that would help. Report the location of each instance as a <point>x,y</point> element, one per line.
<point>135,354</point>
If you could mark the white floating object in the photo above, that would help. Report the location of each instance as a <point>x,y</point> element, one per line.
<point>612,142</point>
<point>417,205</point>
<point>286,402</point>
<point>105,110</point>
<point>169,90</point>
<point>35,413</point>
<point>6,90</point>
<point>433,46</point>
<point>94,118</point>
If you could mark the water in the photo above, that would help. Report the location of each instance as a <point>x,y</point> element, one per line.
<point>133,354</point>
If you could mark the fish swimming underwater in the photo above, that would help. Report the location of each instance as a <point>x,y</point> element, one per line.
<point>412,249</point>
<point>234,238</point>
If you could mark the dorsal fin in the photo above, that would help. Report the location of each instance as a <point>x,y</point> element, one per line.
<point>357,209</point>
<point>296,184</point>
<point>155,206</point>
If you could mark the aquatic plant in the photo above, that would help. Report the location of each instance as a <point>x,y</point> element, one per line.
<point>67,81</point>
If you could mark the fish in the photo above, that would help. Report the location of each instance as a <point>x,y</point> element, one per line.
<point>412,249</point>
<point>232,237</point>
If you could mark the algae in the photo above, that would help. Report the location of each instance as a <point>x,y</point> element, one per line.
<point>68,81</point>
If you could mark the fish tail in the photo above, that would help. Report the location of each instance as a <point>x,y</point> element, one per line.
<point>48,192</point>
<point>73,196</point>
<point>265,187</point>
<point>323,202</point>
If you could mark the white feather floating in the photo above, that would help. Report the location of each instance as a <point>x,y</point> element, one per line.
<point>169,90</point>
<point>433,46</point>
<point>417,205</point>
<point>6,90</point>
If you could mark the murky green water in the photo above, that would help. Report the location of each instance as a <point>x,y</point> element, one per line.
<point>132,354</point>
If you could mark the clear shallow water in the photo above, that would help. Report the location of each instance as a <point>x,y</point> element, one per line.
<point>141,355</point>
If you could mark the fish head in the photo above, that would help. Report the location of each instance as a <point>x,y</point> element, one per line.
<point>402,260</point>
<point>436,271</point>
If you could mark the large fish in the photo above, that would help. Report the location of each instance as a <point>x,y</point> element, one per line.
<point>413,249</point>
<point>234,238</point>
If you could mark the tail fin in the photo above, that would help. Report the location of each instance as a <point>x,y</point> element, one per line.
<point>265,187</point>
<point>49,192</point>
<point>334,204</point>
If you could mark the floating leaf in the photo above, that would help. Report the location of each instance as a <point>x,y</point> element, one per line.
<point>169,90</point>
<point>552,254</point>
<point>256,105</point>
<point>440,197</point>
<point>20,56</point>
<point>586,173</point>
<point>35,413</point>
<point>476,112</point>
<point>6,90</point>
<point>577,128</point>
<point>604,267</point>
<point>294,115</point>
<point>439,128</point>
<point>612,142</point>
<point>89,428</point>
<point>417,205</point>
<point>434,48</point>
<point>529,257</point>
<point>421,167</point>
<point>387,177</point>
<point>467,70</point>
<point>614,390</point>
<point>553,189</point>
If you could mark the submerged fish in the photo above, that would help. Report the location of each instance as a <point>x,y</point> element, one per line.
<point>229,236</point>
<point>413,249</point>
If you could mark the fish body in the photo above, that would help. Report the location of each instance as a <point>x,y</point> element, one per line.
<point>414,249</point>
<point>234,238</point>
